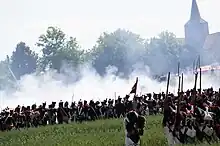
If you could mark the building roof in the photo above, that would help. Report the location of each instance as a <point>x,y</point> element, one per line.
<point>195,14</point>
<point>212,41</point>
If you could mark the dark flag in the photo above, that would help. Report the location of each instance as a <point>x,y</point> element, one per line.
<point>134,88</point>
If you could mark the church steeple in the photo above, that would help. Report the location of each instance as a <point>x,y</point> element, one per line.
<point>196,29</point>
<point>195,15</point>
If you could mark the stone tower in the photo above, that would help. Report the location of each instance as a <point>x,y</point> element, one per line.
<point>196,29</point>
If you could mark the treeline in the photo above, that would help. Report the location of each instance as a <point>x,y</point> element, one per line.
<point>123,49</point>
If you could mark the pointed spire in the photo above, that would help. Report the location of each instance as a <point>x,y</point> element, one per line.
<point>195,15</point>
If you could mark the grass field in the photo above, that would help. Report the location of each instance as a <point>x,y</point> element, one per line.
<point>98,133</point>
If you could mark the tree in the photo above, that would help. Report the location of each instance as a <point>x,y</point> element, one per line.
<point>23,60</point>
<point>6,79</point>
<point>57,49</point>
<point>121,49</point>
<point>71,52</point>
<point>164,53</point>
<point>51,43</point>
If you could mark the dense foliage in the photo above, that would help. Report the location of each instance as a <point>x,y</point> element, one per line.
<point>121,48</point>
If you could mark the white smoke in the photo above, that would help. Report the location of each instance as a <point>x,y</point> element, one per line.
<point>46,87</point>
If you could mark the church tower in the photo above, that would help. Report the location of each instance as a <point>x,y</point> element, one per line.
<point>196,29</point>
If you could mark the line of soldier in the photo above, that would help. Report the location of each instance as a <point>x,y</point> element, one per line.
<point>33,116</point>
<point>192,116</point>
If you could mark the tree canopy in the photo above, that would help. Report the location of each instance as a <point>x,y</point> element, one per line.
<point>122,49</point>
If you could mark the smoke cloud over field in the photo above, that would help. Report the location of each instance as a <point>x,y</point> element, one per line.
<point>50,86</point>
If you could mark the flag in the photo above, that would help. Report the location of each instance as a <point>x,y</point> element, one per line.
<point>134,88</point>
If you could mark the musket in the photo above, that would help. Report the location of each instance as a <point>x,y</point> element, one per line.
<point>178,69</point>
<point>200,80</point>
<point>194,91</point>
<point>177,121</point>
<point>168,82</point>
<point>182,83</point>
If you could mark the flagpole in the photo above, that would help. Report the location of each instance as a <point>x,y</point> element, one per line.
<point>115,95</point>
<point>72,96</point>
<point>134,88</point>
<point>193,66</point>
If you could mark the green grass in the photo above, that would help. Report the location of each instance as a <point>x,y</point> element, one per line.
<point>98,133</point>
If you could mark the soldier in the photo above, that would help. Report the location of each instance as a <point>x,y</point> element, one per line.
<point>134,127</point>
<point>60,113</point>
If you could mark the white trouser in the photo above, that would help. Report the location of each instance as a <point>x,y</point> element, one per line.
<point>170,139</point>
<point>129,142</point>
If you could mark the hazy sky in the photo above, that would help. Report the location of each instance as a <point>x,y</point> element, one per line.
<point>25,20</point>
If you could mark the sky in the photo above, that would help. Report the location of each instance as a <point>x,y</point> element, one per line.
<point>26,20</point>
